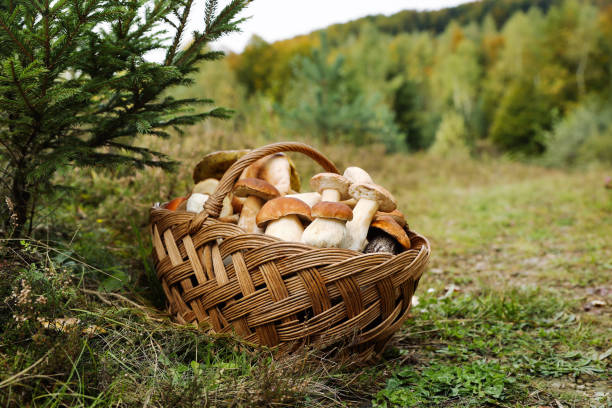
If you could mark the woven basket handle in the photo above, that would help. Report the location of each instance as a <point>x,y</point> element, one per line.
<point>215,202</point>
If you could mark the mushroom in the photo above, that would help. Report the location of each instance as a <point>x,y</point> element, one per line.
<point>386,235</point>
<point>271,172</point>
<point>357,175</point>
<point>196,202</point>
<point>350,202</point>
<point>215,164</point>
<point>281,217</point>
<point>206,186</point>
<point>370,197</point>
<point>183,205</point>
<point>174,204</point>
<point>310,198</point>
<point>396,215</point>
<point>279,171</point>
<point>327,230</point>
<point>333,187</point>
<point>200,194</point>
<point>237,203</point>
<point>256,192</point>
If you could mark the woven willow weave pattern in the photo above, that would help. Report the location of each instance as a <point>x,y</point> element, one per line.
<point>278,293</point>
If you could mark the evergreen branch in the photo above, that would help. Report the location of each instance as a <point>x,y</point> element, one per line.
<point>15,40</point>
<point>21,91</point>
<point>47,40</point>
<point>151,19</point>
<point>211,8</point>
<point>71,36</point>
<point>98,159</point>
<point>179,33</point>
<point>221,23</point>
<point>137,149</point>
<point>9,150</point>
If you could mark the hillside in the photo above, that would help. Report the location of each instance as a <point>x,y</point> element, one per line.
<point>436,21</point>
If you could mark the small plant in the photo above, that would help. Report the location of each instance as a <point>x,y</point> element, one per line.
<point>480,381</point>
<point>39,291</point>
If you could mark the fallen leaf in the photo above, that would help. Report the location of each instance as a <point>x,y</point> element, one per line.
<point>594,304</point>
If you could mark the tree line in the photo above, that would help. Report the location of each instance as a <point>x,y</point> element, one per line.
<point>517,77</point>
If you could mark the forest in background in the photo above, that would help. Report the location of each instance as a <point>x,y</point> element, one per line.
<point>529,79</point>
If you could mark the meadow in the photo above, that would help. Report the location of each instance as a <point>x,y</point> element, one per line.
<point>514,309</point>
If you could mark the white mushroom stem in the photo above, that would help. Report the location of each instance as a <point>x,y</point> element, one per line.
<point>250,208</point>
<point>226,209</point>
<point>287,228</point>
<point>329,194</point>
<point>357,228</point>
<point>324,233</point>
<point>277,171</point>
<point>196,201</point>
<point>309,198</point>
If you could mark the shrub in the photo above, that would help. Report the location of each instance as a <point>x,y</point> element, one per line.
<point>583,136</point>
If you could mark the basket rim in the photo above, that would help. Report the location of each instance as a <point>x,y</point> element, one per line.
<point>157,209</point>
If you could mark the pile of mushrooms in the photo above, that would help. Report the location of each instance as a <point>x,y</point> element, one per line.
<point>342,211</point>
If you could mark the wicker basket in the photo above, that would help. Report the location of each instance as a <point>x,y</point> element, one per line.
<point>278,293</point>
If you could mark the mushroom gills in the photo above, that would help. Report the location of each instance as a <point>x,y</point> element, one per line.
<point>380,241</point>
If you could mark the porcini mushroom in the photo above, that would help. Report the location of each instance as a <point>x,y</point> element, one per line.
<point>174,204</point>
<point>215,164</point>
<point>273,173</point>
<point>281,218</point>
<point>386,235</point>
<point>200,194</point>
<point>332,187</point>
<point>370,198</point>
<point>279,171</point>
<point>395,214</point>
<point>207,186</point>
<point>256,191</point>
<point>357,175</point>
<point>327,230</point>
<point>196,202</point>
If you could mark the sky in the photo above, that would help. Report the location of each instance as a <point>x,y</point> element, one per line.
<point>280,19</point>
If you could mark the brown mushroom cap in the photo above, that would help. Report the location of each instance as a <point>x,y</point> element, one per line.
<point>215,164</point>
<point>386,201</point>
<point>281,207</point>
<point>255,187</point>
<point>325,181</point>
<point>327,209</point>
<point>395,214</point>
<point>388,225</point>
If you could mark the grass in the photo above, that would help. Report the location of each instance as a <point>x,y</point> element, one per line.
<point>518,252</point>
